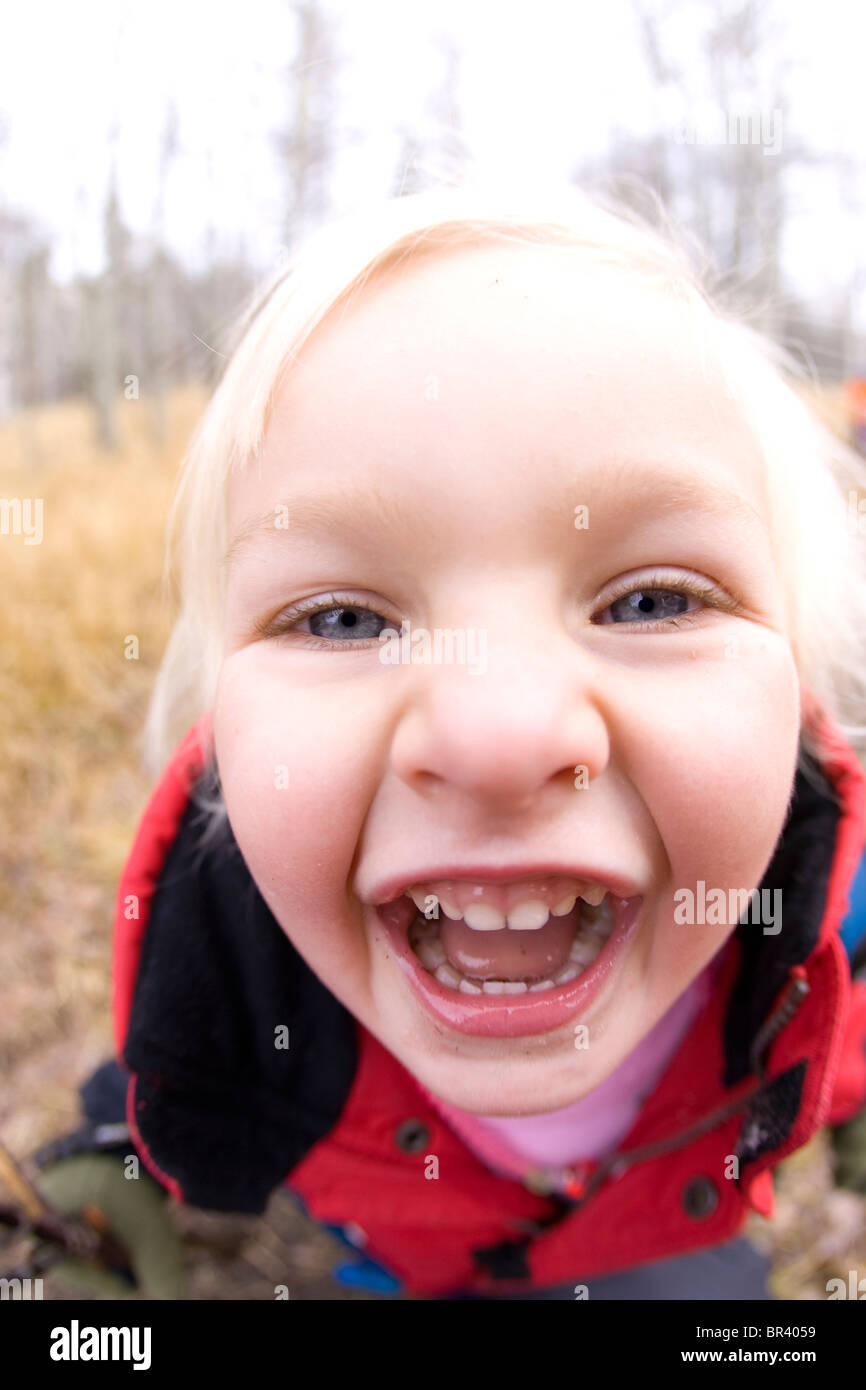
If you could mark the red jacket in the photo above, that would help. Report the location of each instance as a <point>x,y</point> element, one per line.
<point>203,975</point>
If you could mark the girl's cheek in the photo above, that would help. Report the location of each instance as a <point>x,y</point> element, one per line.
<point>751,723</point>
<point>292,776</point>
<point>721,803</point>
<point>272,762</point>
<point>720,825</point>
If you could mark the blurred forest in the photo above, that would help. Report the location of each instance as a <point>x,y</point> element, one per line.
<point>147,321</point>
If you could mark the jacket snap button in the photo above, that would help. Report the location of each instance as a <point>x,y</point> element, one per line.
<point>412,1136</point>
<point>700,1198</point>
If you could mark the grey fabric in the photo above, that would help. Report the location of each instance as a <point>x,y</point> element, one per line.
<point>735,1270</point>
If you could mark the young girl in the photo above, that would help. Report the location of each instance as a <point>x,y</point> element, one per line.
<point>521,639</point>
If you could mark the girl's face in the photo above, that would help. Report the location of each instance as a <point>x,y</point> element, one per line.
<point>539,461</point>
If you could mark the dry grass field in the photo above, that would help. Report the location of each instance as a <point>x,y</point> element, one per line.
<point>71,789</point>
<point>71,793</point>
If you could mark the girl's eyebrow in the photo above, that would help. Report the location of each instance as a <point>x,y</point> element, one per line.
<point>629,486</point>
<point>321,513</point>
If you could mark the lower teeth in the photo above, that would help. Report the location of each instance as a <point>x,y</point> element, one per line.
<point>593,931</point>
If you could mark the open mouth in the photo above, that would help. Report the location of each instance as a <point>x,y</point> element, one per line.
<point>512,961</point>
<point>508,974</point>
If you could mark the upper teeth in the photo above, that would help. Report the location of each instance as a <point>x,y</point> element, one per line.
<point>528,912</point>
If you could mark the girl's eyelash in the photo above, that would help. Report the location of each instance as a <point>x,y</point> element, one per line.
<point>285,620</point>
<point>712,594</point>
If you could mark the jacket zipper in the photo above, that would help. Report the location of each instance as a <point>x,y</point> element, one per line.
<point>797,989</point>
<point>576,1184</point>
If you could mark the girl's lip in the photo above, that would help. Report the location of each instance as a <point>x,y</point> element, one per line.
<point>513,1016</point>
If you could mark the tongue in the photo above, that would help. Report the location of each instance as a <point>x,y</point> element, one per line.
<point>507,954</point>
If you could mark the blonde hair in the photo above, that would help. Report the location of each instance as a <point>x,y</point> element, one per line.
<point>808,470</point>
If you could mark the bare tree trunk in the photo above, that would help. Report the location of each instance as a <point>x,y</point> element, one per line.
<point>306,146</point>
<point>105,365</point>
<point>159,308</point>
<point>106,374</point>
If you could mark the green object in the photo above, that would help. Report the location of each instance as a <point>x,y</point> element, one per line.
<point>136,1211</point>
<point>849,1146</point>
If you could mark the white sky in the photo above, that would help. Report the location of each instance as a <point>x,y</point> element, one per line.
<point>542,84</point>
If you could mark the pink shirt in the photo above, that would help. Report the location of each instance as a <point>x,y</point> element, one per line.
<point>594,1125</point>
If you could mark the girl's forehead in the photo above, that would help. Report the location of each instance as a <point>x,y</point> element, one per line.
<point>476,364</point>
<point>503,328</point>
<point>521,299</point>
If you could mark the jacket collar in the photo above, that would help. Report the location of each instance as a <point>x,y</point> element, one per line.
<point>767,1046</point>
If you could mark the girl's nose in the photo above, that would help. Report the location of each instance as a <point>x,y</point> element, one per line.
<point>501,734</point>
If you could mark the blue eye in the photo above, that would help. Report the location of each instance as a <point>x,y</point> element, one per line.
<point>642,605</point>
<point>664,603</point>
<point>333,621</point>
<point>337,623</point>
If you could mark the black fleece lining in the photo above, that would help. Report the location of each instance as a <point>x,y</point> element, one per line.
<point>800,868</point>
<point>229,1114</point>
<point>771,1114</point>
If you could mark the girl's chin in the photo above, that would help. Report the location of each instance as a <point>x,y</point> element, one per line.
<point>535,1086</point>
